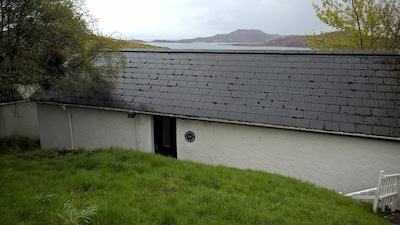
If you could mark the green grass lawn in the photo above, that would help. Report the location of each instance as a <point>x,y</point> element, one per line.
<point>116,186</point>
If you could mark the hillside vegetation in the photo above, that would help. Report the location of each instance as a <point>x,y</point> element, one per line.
<point>115,186</point>
<point>130,44</point>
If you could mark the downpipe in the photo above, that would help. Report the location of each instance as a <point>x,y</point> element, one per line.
<point>71,132</point>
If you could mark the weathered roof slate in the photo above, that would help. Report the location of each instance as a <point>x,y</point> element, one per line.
<point>350,92</point>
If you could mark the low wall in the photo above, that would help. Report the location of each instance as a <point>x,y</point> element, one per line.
<point>19,118</point>
<point>342,163</point>
<point>73,127</point>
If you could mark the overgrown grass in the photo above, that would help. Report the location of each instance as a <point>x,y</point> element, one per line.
<point>117,186</point>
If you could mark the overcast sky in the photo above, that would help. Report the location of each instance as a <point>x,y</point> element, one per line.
<point>179,19</point>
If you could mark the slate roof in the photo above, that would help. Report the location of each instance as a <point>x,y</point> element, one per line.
<point>349,92</point>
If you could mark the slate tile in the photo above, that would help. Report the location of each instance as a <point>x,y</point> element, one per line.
<point>370,103</point>
<point>211,113</point>
<point>280,89</point>
<point>281,112</point>
<point>355,102</point>
<point>285,97</point>
<point>331,126</point>
<point>379,112</point>
<point>247,117</point>
<point>287,121</point>
<point>384,88</point>
<point>381,131</point>
<point>387,122</point>
<point>290,105</point>
<point>257,110</point>
<point>339,101</point>
<point>346,127</point>
<point>318,107</point>
<point>302,123</point>
<point>386,104</point>
<point>326,116</point>
<point>235,116</point>
<point>333,108</point>
<point>310,115</point>
<point>223,115</point>
<point>392,96</point>
<point>298,98</point>
<point>186,104</point>
<point>209,105</point>
<point>273,111</point>
<point>232,108</point>
<point>363,129</point>
<point>178,110</point>
<point>198,105</point>
<point>277,104</point>
<point>306,91</point>
<point>296,113</point>
<point>363,111</point>
<point>355,119</point>
<point>274,120</point>
<point>243,109</point>
<point>304,106</point>
<point>348,109</point>
<point>293,90</point>
<point>261,119</point>
<point>371,120</point>
<point>220,107</point>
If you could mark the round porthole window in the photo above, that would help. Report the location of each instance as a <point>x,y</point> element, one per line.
<point>189,136</point>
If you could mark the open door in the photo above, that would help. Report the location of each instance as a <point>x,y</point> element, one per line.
<point>165,136</point>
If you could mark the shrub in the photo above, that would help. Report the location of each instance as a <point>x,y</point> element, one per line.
<point>17,144</point>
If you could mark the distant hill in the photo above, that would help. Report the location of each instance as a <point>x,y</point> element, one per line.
<point>249,37</point>
<point>283,41</point>
<point>137,41</point>
<point>237,36</point>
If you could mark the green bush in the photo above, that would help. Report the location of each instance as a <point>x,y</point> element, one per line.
<point>16,144</point>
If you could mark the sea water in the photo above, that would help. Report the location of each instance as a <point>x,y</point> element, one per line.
<point>215,46</point>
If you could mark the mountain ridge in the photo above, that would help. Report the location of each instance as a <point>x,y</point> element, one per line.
<point>248,37</point>
<point>237,36</point>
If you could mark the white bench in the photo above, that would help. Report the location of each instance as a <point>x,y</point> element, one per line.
<point>386,193</point>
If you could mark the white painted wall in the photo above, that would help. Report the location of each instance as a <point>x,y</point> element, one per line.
<point>19,118</point>
<point>92,128</point>
<point>53,127</point>
<point>341,163</point>
<point>336,162</point>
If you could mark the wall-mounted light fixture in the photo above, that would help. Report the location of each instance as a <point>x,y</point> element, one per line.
<point>131,114</point>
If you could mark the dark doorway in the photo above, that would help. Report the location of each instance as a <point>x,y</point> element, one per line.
<point>165,136</point>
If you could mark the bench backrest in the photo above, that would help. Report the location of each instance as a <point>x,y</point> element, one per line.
<point>387,191</point>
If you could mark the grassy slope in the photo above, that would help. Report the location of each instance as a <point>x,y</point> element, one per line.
<point>130,44</point>
<point>131,187</point>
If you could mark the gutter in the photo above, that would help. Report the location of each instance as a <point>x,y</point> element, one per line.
<point>229,121</point>
<point>71,132</point>
<point>14,102</point>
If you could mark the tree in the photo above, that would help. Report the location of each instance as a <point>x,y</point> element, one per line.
<point>52,44</point>
<point>358,25</point>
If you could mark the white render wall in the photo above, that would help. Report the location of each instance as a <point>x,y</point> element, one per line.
<point>93,128</point>
<point>19,118</point>
<point>341,163</point>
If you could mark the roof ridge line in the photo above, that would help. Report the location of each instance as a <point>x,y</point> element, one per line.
<point>269,52</point>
